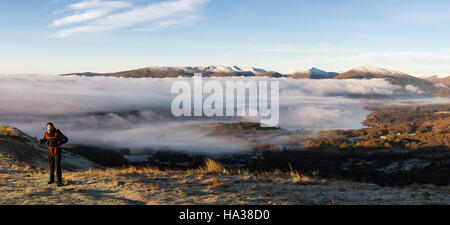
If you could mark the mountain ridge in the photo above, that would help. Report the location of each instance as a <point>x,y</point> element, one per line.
<point>433,86</point>
<point>313,73</point>
<point>394,77</point>
<point>176,71</point>
<point>439,80</point>
<point>187,70</point>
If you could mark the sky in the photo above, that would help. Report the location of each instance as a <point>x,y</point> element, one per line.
<point>66,36</point>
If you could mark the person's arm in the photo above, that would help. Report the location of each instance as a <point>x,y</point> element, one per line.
<point>43,140</point>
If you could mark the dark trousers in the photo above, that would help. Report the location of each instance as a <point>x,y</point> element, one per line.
<point>55,160</point>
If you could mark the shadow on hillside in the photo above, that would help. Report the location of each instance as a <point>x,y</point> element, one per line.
<point>389,168</point>
<point>102,195</point>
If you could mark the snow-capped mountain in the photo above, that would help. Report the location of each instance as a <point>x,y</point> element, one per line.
<point>212,68</point>
<point>313,73</point>
<point>233,69</point>
<point>369,72</point>
<point>174,71</point>
<point>439,81</point>
<point>378,71</point>
<point>364,72</point>
<point>394,77</point>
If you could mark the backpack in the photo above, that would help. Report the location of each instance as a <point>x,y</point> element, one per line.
<point>62,139</point>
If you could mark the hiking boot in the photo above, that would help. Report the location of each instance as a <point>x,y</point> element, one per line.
<point>50,182</point>
<point>59,184</point>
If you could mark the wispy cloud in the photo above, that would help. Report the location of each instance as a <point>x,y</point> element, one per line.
<point>89,10</point>
<point>170,22</point>
<point>423,12</point>
<point>99,16</point>
<point>295,49</point>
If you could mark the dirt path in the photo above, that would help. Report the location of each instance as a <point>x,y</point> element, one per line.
<point>150,186</point>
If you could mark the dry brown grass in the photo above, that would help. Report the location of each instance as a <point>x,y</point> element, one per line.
<point>297,178</point>
<point>116,183</point>
<point>215,182</point>
<point>146,186</point>
<point>8,131</point>
<point>184,180</point>
<point>213,167</point>
<point>300,179</point>
<point>245,172</point>
<point>140,185</point>
<point>212,174</point>
<point>130,170</point>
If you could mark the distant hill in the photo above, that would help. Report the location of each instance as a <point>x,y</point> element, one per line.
<point>432,85</point>
<point>164,72</point>
<point>394,77</point>
<point>313,73</point>
<point>439,80</point>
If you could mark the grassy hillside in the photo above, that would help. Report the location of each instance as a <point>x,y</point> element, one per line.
<point>17,149</point>
<point>402,158</point>
<point>208,185</point>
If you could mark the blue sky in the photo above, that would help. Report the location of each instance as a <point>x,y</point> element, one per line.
<point>63,36</point>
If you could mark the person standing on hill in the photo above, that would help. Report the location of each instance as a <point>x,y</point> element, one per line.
<point>54,139</point>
